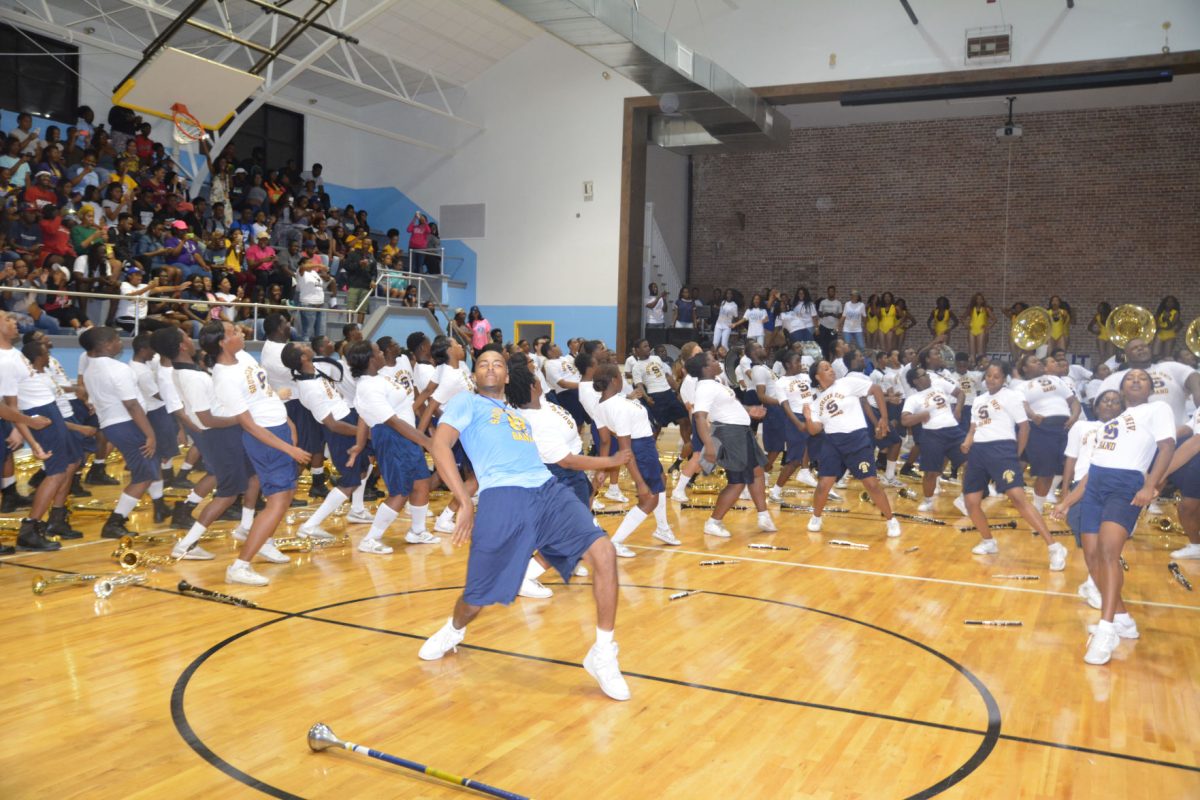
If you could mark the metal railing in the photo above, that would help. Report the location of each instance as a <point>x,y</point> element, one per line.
<point>429,288</point>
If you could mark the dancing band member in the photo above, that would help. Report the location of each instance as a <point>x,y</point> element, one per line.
<point>166,431</point>
<point>846,444</point>
<point>243,391</point>
<point>564,378</point>
<point>385,408</point>
<point>1184,472</point>
<point>940,436</point>
<point>1052,408</point>
<point>653,377</point>
<point>687,396</point>
<point>796,387</point>
<point>997,436</point>
<point>450,379</point>
<point>724,427</point>
<point>278,330</point>
<point>1129,461</point>
<point>522,508</point>
<point>1060,323</point>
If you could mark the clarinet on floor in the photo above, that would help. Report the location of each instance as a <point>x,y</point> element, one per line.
<point>1179,576</point>
<point>208,594</point>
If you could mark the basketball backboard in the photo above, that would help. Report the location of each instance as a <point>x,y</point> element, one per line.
<point>211,91</point>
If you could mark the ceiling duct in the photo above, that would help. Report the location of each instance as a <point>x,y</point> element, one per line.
<point>705,108</point>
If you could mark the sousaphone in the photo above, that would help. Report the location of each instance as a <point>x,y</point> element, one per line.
<point>1192,337</point>
<point>1031,328</point>
<point>1130,322</point>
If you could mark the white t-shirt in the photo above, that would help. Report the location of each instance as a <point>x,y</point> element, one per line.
<point>244,386</point>
<point>554,432</point>
<point>451,381</point>
<point>971,383</point>
<point>996,416</point>
<point>653,373</point>
<point>110,383</point>
<point>134,307</point>
<point>379,398</point>
<point>195,388</point>
<point>589,398</point>
<point>687,391</point>
<point>939,406</point>
<point>838,408</point>
<point>19,379</point>
<point>726,314</point>
<point>761,375</point>
<point>80,267</point>
<point>60,399</point>
<point>167,389</point>
<point>854,313</point>
<point>1080,441</point>
<point>804,315</point>
<point>559,370</point>
<point>341,378</point>
<point>755,317</point>
<point>798,390</point>
<point>147,385</point>
<point>1048,396</point>
<point>322,398</point>
<point>1170,380</point>
<point>423,374</point>
<point>840,370</point>
<point>831,311</point>
<point>61,379</point>
<point>311,287</point>
<point>1130,440</point>
<point>279,376</point>
<point>656,313</point>
<point>720,403</point>
<point>625,417</point>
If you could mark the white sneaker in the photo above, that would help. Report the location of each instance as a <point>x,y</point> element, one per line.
<point>601,664</point>
<point>926,505</point>
<point>745,495</point>
<point>442,642</point>
<point>246,575</point>
<point>421,537</point>
<point>532,587</point>
<point>623,551</point>
<point>1058,557</point>
<point>240,533</point>
<point>937,487</point>
<point>197,553</point>
<point>806,477</point>
<point>841,484</point>
<point>443,527</point>
<point>992,490</point>
<point>317,533</point>
<point>374,546</point>
<point>776,494</point>
<point>765,523</point>
<point>835,496</point>
<point>581,571</point>
<point>1154,509</point>
<point>666,536</point>
<point>961,505</point>
<point>987,547</point>
<point>363,517</point>
<point>597,507</point>
<point>713,527</point>
<point>1187,551</point>
<point>1089,592</point>
<point>893,528</point>
<point>614,494</point>
<point>1125,629</point>
<point>1101,644</point>
<point>814,524</point>
<point>272,553</point>
<point>680,495</point>
<point>894,483</point>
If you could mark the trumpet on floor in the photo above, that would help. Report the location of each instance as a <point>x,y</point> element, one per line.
<point>131,559</point>
<point>93,506</point>
<point>41,583</point>
<point>301,544</point>
<point>905,492</point>
<point>104,587</point>
<point>1166,524</point>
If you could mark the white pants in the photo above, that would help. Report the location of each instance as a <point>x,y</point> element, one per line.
<point>721,336</point>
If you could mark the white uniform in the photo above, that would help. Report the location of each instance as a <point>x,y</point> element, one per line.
<point>322,398</point>
<point>939,406</point>
<point>450,382</point>
<point>554,432</point>
<point>244,386</point>
<point>798,391</point>
<point>996,416</point>
<point>652,373</point>
<point>380,398</point>
<point>423,374</point>
<point>110,383</point>
<point>1080,440</point>
<point>147,383</point>
<point>755,319</point>
<point>761,376</point>
<point>19,379</point>
<point>166,386</point>
<point>1048,396</point>
<point>971,384</point>
<point>625,417</point>
<point>559,370</point>
<point>687,391</point>
<point>196,390</point>
<point>720,403</point>
<point>1170,381</point>
<point>61,378</point>
<point>589,398</point>
<point>341,378</point>
<point>1130,441</point>
<point>838,408</point>
<point>279,376</point>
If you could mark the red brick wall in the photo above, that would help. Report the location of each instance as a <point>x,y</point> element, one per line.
<point>1104,204</point>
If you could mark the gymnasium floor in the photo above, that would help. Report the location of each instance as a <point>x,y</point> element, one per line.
<point>812,671</point>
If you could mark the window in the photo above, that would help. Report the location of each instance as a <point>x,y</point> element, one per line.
<point>38,83</point>
<point>280,133</point>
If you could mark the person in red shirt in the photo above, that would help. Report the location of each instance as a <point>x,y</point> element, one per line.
<point>419,230</point>
<point>56,240</point>
<point>260,258</point>
<point>143,144</point>
<point>41,193</point>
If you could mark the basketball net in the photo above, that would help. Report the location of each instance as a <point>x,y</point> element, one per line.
<point>187,128</point>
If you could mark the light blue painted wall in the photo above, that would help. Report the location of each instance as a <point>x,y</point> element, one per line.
<point>591,322</point>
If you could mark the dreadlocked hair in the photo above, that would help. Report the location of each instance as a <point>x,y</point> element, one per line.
<point>519,389</point>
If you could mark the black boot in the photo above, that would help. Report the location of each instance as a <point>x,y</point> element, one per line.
<point>35,480</point>
<point>96,476</point>
<point>114,527</point>
<point>7,549</point>
<point>162,511</point>
<point>318,490</point>
<point>11,500</point>
<point>32,536</point>
<point>58,525</point>
<point>77,489</point>
<point>181,480</point>
<point>181,517</point>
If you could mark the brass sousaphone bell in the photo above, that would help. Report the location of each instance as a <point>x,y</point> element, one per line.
<point>1130,322</point>
<point>1031,328</point>
<point>1192,337</point>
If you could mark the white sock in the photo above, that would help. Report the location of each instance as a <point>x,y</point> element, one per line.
<point>660,512</point>
<point>534,569</point>
<point>156,490</point>
<point>332,502</point>
<point>247,517</point>
<point>450,622</point>
<point>237,562</point>
<point>418,514</point>
<point>194,498</point>
<point>891,469</point>
<point>633,518</point>
<point>1054,484</point>
<point>7,482</point>
<point>446,517</point>
<point>604,637</point>
<point>682,481</point>
<point>1123,617</point>
<point>356,498</point>
<point>317,470</point>
<point>1039,502</point>
<point>1104,625</point>
<point>193,535</point>
<point>126,505</point>
<point>384,517</point>
<point>1091,583</point>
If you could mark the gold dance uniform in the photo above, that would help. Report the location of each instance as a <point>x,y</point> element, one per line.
<point>1058,323</point>
<point>941,324</point>
<point>1166,325</point>
<point>887,319</point>
<point>979,317</point>
<point>872,321</point>
<point>1102,328</point>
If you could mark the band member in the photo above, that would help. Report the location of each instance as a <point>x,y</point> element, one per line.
<point>1168,323</point>
<point>1129,461</point>
<point>166,431</point>
<point>1052,408</point>
<point>277,327</point>
<point>653,377</point>
<point>451,379</point>
<point>1098,327</point>
<point>1184,472</point>
<point>940,436</point>
<point>687,396</point>
<point>796,386</point>
<point>522,508</point>
<point>997,436</point>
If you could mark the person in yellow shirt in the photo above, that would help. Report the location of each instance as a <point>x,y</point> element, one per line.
<point>941,321</point>
<point>872,324</point>
<point>980,320</point>
<point>1169,322</point>
<point>393,249</point>
<point>1060,323</point>
<point>1098,327</point>
<point>887,320</point>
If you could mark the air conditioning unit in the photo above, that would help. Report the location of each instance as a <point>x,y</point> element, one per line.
<point>989,45</point>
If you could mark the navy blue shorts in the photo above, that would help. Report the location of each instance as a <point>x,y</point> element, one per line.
<point>166,433</point>
<point>276,470</point>
<point>612,443</point>
<point>1108,497</point>
<point>85,417</point>
<point>339,454</point>
<point>697,442</point>
<point>796,440</point>
<point>1187,477</point>
<point>938,445</point>
<point>55,439</point>
<point>1046,447</point>
<point>667,410</point>
<point>129,440</point>
<point>895,434</point>
<point>552,396</point>
<point>225,459</point>
<point>646,456</point>
<point>801,335</point>
<point>575,480</point>
<point>774,429</point>
<point>994,462</point>
<point>81,441</point>
<point>309,436</point>
<point>401,461</point>
<point>569,399</point>
<point>510,524</point>
<point>847,451</point>
<point>1075,518</point>
<point>964,424</point>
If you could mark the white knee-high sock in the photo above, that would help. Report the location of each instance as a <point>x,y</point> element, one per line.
<point>126,505</point>
<point>356,499</point>
<point>633,518</point>
<point>193,535</point>
<point>660,512</point>
<point>156,490</point>
<point>383,518</point>
<point>534,569</point>
<point>418,515</point>
<point>247,517</point>
<point>332,502</point>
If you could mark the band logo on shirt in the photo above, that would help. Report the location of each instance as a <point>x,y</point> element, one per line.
<point>256,380</point>
<point>520,430</point>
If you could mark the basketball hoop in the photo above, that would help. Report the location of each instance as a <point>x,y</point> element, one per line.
<point>187,128</point>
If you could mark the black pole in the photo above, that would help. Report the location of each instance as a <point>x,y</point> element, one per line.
<point>908,10</point>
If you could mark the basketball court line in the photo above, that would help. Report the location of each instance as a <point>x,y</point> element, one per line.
<point>676,550</point>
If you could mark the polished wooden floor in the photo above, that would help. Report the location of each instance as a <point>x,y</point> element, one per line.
<point>807,672</point>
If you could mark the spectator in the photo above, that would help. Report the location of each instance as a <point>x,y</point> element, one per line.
<point>115,202</point>
<point>64,308</point>
<point>480,328</point>
<point>152,252</point>
<point>42,193</point>
<point>225,294</point>
<point>16,162</point>
<point>418,239</point>
<point>30,142</point>
<point>314,282</point>
<point>260,259</point>
<point>135,312</point>
<point>23,305</point>
<point>25,234</point>
<point>85,233</point>
<point>188,260</point>
<point>314,175</point>
<point>94,272</point>
<point>84,175</point>
<point>358,272</point>
<point>56,239</point>
<point>433,260</point>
